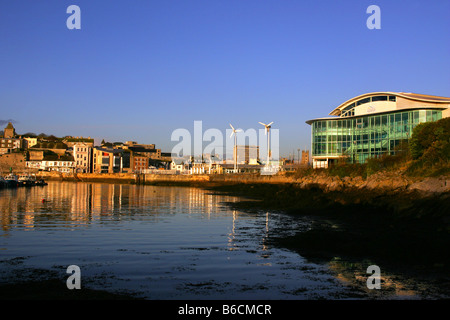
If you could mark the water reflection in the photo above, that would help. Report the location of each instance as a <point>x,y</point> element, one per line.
<point>87,202</point>
<point>167,242</point>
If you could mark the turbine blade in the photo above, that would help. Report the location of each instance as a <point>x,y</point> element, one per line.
<point>270,123</point>
<point>262,123</point>
<point>231,134</point>
<point>231,126</point>
<point>238,130</point>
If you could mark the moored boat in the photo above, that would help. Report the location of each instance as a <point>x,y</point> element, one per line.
<point>27,180</point>
<point>12,180</point>
<point>40,182</point>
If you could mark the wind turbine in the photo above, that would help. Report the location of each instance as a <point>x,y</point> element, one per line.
<point>235,149</point>
<point>267,132</point>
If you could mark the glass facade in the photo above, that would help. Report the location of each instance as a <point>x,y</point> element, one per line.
<point>360,138</point>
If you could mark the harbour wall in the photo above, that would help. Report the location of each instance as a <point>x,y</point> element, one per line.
<point>380,182</point>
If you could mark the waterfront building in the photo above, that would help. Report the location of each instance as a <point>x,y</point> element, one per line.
<point>372,124</point>
<point>82,154</point>
<point>111,160</point>
<point>29,142</point>
<point>10,141</point>
<point>7,145</point>
<point>179,165</point>
<point>140,163</point>
<point>64,166</point>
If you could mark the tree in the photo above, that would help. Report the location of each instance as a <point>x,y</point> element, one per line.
<point>30,135</point>
<point>430,141</point>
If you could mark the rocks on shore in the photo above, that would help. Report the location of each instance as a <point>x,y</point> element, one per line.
<point>382,181</point>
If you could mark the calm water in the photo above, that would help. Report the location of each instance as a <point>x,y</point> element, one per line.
<point>167,243</point>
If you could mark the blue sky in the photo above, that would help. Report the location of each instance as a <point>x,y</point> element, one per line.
<point>138,70</point>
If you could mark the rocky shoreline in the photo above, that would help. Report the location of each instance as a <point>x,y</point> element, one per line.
<point>380,181</point>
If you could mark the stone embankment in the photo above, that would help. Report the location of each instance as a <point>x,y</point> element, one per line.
<point>382,182</point>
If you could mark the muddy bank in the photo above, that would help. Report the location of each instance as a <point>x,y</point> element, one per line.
<point>41,284</point>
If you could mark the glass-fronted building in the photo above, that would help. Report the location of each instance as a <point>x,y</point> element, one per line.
<point>372,124</point>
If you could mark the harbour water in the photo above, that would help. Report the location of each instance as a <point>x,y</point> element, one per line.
<point>166,243</point>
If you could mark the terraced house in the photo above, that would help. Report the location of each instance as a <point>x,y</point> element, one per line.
<point>372,124</point>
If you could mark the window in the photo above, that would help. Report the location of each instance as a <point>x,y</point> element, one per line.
<point>377,121</point>
<point>346,111</point>
<point>392,98</point>
<point>405,117</point>
<point>362,101</point>
<point>380,98</point>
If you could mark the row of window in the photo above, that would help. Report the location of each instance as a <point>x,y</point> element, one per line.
<point>336,148</point>
<point>378,121</point>
<point>373,135</point>
<point>51,164</point>
<point>348,111</point>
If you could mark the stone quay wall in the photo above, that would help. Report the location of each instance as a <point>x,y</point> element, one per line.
<point>384,182</point>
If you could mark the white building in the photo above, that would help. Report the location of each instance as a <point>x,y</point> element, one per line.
<point>56,165</point>
<point>178,166</point>
<point>82,154</point>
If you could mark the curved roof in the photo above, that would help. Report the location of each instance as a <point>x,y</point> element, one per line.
<point>406,95</point>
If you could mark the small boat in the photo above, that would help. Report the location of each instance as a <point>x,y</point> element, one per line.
<point>27,180</point>
<point>12,180</point>
<point>41,182</point>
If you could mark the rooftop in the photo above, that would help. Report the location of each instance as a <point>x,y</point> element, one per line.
<point>406,95</point>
